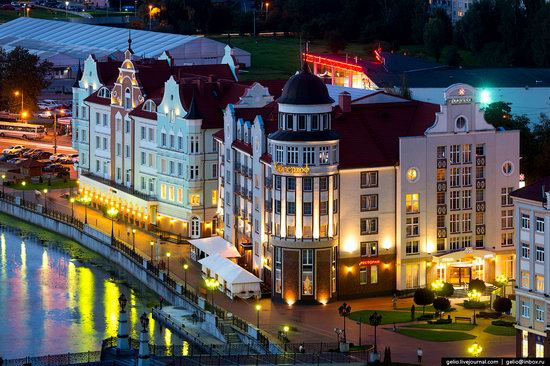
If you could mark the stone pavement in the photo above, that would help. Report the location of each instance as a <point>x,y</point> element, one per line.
<point>309,324</point>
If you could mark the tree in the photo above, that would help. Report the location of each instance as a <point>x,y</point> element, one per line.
<point>375,320</point>
<point>502,305</point>
<point>477,285</point>
<point>541,156</point>
<point>24,72</point>
<point>441,304</point>
<point>539,36</point>
<point>434,37</point>
<point>423,297</point>
<point>344,310</point>
<point>451,56</point>
<point>447,290</point>
<point>336,42</point>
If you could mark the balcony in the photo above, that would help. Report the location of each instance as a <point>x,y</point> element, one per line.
<point>237,189</point>
<point>480,184</point>
<point>120,187</point>
<point>250,172</point>
<point>441,163</point>
<point>237,165</point>
<point>269,182</point>
<point>441,209</point>
<point>480,160</point>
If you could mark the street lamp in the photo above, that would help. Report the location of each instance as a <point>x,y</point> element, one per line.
<point>475,350</point>
<point>66,9</point>
<point>185,268</point>
<point>375,320</point>
<point>24,184</point>
<point>168,263</point>
<point>258,308</point>
<point>212,284</point>
<point>134,240</point>
<point>72,206</point>
<point>150,11</point>
<point>86,200</point>
<point>45,198</point>
<point>3,184</point>
<point>152,245</point>
<point>112,213</point>
<point>17,93</point>
<point>266,10</point>
<point>286,329</point>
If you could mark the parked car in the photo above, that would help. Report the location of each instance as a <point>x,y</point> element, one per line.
<point>74,158</point>
<point>29,152</point>
<point>15,160</point>
<point>63,112</point>
<point>41,155</point>
<point>23,151</point>
<point>56,157</point>
<point>55,168</point>
<point>45,114</point>
<point>14,149</point>
<point>50,102</point>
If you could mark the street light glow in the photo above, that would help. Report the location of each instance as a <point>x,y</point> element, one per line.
<point>258,307</point>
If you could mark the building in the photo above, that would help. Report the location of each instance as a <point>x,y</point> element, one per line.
<point>143,129</point>
<point>526,88</point>
<point>532,220</point>
<point>65,44</point>
<point>455,9</point>
<point>370,195</point>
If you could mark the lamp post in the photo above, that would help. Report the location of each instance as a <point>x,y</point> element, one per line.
<point>72,206</point>
<point>17,93</point>
<point>3,184</point>
<point>266,10</point>
<point>24,184</point>
<point>212,284</point>
<point>258,308</point>
<point>475,350</point>
<point>45,198</point>
<point>150,15</point>
<point>168,263</point>
<point>286,329</point>
<point>135,8</point>
<point>375,320</point>
<point>185,268</point>
<point>66,9</point>
<point>85,201</point>
<point>134,240</point>
<point>112,213</point>
<point>152,243</point>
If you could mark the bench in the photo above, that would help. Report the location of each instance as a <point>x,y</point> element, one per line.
<point>464,318</point>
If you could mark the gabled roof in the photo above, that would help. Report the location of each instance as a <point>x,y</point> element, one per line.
<point>534,192</point>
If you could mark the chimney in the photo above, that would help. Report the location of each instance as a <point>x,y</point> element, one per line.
<point>344,101</point>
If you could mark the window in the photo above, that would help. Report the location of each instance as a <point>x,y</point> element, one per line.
<point>292,155</point>
<point>104,143</point>
<point>307,184</point>
<point>440,244</point>
<point>540,314</point>
<point>525,250</point>
<point>441,221</point>
<point>290,231</point>
<point>278,154</point>
<point>480,218</point>
<point>454,222</point>
<point>507,168</point>
<point>507,219</point>
<point>455,177</point>
<point>307,272</point>
<point>480,149</point>
<point>442,152</point>
<point>278,182</point>
<point>127,126</point>
<point>278,265</point>
<point>143,133</point>
<point>172,141</point>
<point>412,247</point>
<point>151,134</point>
<point>143,158</point>
<point>480,195</point>
<point>335,182</point>
<point>506,239</point>
<point>314,122</point>
<point>505,199</point>
<point>323,183</point>
<point>454,154</point>
<point>369,249</point>
<point>539,254</point>
<point>441,198</point>
<point>301,122</point>
<point>441,174</point>
<point>171,193</point>
<point>127,99</point>
<point>374,274</point>
<point>118,149</point>
<point>467,176</point>
<point>163,191</point>
<point>460,121</point>
<point>466,241</point>
<point>466,200</point>
<point>163,139</point>
<point>307,232</point>
<point>193,172</point>
<point>324,155</point>
<point>539,283</point>
<point>194,200</point>
<point>369,202</point>
<point>308,155</point>
<point>289,122</point>
<point>277,206</point>
<point>524,279</point>
<point>540,224</point>
<point>362,275</point>
<point>454,200</point>
<point>214,171</point>
<point>127,150</point>
<point>480,172</point>
<point>525,221</point>
<point>525,310</point>
<point>466,222</point>
<point>323,208</point>
<point>412,226</point>
<point>411,202</point>
<point>290,183</point>
<point>369,226</point>
<point>171,168</point>
<point>291,208</point>
<point>369,179</point>
<point>466,153</point>
<point>480,241</point>
<point>455,243</point>
<point>307,208</point>
<point>97,120</point>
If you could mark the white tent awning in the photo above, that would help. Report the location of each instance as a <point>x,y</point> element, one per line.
<point>229,271</point>
<point>216,245</point>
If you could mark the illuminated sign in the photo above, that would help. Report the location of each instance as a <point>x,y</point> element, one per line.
<point>324,61</point>
<point>369,262</point>
<point>280,168</point>
<point>460,100</point>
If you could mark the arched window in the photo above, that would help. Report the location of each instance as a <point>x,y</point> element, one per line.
<point>127,99</point>
<point>195,227</point>
<point>104,93</point>
<point>150,106</point>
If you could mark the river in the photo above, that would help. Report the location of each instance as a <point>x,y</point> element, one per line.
<point>58,297</point>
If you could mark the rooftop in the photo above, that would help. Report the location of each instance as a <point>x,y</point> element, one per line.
<point>534,192</point>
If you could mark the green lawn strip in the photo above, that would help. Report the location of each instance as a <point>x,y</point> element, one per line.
<point>388,317</point>
<point>41,13</point>
<point>500,331</point>
<point>418,309</point>
<point>435,335</point>
<point>57,184</point>
<point>451,326</point>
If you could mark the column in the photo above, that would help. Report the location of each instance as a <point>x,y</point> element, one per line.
<point>143,355</point>
<point>122,343</point>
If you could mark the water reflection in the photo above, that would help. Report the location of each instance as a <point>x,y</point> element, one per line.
<point>54,304</point>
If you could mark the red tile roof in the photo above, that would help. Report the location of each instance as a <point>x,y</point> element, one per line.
<point>375,129</point>
<point>107,71</point>
<point>139,112</point>
<point>94,98</point>
<point>242,146</point>
<point>219,135</point>
<point>219,71</point>
<point>533,192</point>
<point>266,158</point>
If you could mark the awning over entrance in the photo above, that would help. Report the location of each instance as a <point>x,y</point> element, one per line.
<point>464,255</point>
<point>214,245</point>
<point>234,280</point>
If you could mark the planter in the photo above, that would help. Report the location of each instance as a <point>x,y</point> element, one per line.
<point>344,347</point>
<point>373,357</point>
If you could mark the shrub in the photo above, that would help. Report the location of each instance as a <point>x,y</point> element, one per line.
<point>477,284</point>
<point>441,321</point>
<point>468,304</point>
<point>502,305</point>
<point>441,304</point>
<point>425,317</point>
<point>423,297</point>
<point>503,323</point>
<point>447,290</point>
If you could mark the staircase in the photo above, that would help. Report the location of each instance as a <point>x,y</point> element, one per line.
<point>463,293</point>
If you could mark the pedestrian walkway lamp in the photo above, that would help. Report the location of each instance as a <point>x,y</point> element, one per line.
<point>168,263</point>
<point>3,183</point>
<point>375,320</point>
<point>152,245</point>
<point>185,268</point>
<point>212,284</point>
<point>86,200</point>
<point>45,198</point>
<point>475,350</point>
<point>112,213</point>
<point>24,184</point>
<point>71,200</point>
<point>286,329</point>
<point>258,308</point>
<point>134,240</point>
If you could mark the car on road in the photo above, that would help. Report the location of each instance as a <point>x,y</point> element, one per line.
<point>56,157</point>
<point>51,103</point>
<point>14,149</point>
<point>55,168</point>
<point>45,114</point>
<point>41,155</point>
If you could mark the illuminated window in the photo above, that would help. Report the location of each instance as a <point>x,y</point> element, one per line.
<point>324,154</point>
<point>442,152</point>
<point>466,222</point>
<point>278,266</point>
<point>291,231</point>
<point>441,174</point>
<point>441,198</point>
<point>467,176</point>
<point>412,175</point>
<point>525,279</point>
<point>194,200</point>
<point>307,272</point>
<point>412,226</point>
<point>466,151</point>
<point>214,197</point>
<point>539,283</point>
<point>163,191</point>
<point>411,202</point>
<point>455,177</point>
<point>369,249</point>
<point>539,350</point>
<point>307,232</point>
<point>180,195</point>
<point>455,154</point>
<point>374,274</point>
<point>524,343</point>
<point>171,193</point>
<point>362,275</point>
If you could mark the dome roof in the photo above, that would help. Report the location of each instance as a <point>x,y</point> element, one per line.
<point>304,88</point>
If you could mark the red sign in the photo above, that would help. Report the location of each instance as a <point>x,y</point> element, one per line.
<point>320,60</point>
<point>369,262</point>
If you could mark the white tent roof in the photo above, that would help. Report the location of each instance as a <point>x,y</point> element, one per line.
<point>216,245</point>
<point>228,270</point>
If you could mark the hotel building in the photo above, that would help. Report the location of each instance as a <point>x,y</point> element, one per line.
<point>143,129</point>
<point>364,196</point>
<point>533,237</point>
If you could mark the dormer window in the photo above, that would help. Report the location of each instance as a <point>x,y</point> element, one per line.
<point>314,122</point>
<point>150,106</point>
<point>127,99</point>
<point>104,93</point>
<point>290,122</point>
<point>460,123</point>
<point>302,122</point>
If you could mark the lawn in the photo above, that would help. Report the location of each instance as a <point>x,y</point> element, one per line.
<point>451,326</point>
<point>388,317</point>
<point>58,184</point>
<point>500,331</point>
<point>7,15</point>
<point>435,335</point>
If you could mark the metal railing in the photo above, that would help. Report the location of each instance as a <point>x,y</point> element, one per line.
<point>113,184</point>
<point>89,358</point>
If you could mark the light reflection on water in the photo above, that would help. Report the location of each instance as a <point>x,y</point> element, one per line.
<point>52,304</point>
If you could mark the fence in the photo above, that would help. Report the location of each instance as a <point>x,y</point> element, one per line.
<point>57,360</point>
